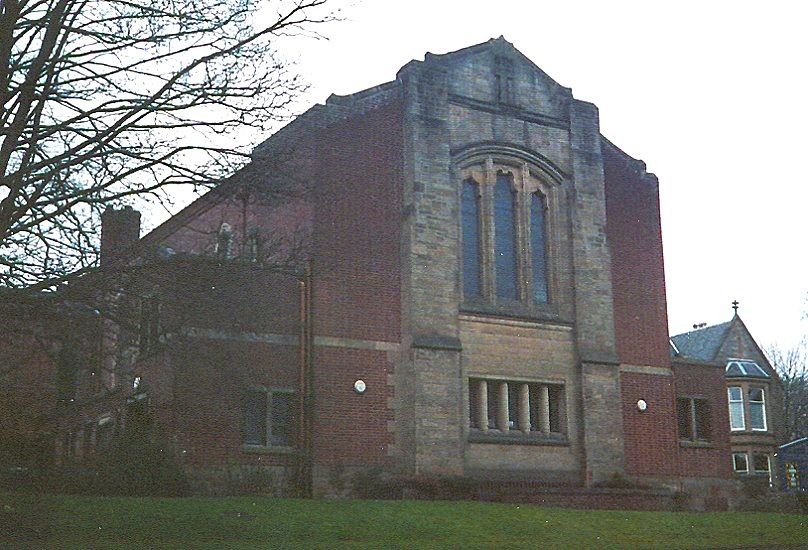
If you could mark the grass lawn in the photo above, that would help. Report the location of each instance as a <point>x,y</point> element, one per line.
<point>29,521</point>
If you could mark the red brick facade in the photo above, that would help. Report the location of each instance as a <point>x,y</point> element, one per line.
<point>650,436</point>
<point>375,241</point>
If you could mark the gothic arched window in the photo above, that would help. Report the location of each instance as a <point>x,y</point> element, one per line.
<point>508,216</point>
<point>471,239</point>
<point>505,265</point>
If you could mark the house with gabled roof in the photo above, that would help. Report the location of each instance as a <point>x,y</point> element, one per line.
<point>754,392</point>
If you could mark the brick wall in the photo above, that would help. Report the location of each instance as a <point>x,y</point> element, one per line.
<point>651,441</point>
<point>712,461</point>
<point>357,229</point>
<point>638,278</point>
<point>351,428</point>
<point>208,406</point>
<point>28,395</point>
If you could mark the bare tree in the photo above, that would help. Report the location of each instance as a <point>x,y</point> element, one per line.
<point>107,100</point>
<point>792,366</point>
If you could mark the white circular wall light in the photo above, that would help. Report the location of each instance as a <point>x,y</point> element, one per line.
<point>359,386</point>
<point>642,406</point>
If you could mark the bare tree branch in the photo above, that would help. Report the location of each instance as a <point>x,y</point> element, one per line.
<point>104,101</point>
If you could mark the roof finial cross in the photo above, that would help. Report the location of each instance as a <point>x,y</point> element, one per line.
<point>735,306</point>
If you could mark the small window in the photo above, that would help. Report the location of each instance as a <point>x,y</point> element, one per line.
<point>761,465</point>
<point>792,475</point>
<point>757,409</point>
<point>253,249</point>
<point>738,368</point>
<point>734,369</point>
<point>740,463</point>
<point>269,418</point>
<point>736,416</point>
<point>753,369</point>
<point>542,405</point>
<point>693,419</point>
<point>224,242</point>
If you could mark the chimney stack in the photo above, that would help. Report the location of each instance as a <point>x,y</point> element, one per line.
<point>119,230</point>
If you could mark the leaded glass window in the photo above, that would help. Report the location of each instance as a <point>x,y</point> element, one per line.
<point>471,239</point>
<point>505,239</point>
<point>538,245</point>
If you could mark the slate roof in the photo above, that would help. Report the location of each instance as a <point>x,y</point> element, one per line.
<point>796,442</point>
<point>701,344</point>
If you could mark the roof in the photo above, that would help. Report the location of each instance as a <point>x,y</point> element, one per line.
<point>701,344</point>
<point>795,442</point>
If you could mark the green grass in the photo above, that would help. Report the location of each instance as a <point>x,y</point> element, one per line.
<point>28,521</point>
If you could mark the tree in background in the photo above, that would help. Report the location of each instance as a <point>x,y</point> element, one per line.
<point>107,100</point>
<point>792,367</point>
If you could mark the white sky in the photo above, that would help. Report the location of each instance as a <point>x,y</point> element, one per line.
<point>712,95</point>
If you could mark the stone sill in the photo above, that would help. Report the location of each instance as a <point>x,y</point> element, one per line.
<point>518,438</point>
<point>514,310</point>
<point>268,449</point>
<point>696,444</point>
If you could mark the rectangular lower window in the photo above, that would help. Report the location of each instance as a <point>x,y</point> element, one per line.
<point>269,418</point>
<point>757,409</point>
<point>693,419</point>
<point>740,463</point>
<point>531,407</point>
<point>762,466</point>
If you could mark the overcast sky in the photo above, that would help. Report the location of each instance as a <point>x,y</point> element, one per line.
<point>712,95</point>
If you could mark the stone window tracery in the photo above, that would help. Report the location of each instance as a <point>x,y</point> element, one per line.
<point>505,222</point>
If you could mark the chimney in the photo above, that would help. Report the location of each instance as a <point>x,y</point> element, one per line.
<point>119,230</point>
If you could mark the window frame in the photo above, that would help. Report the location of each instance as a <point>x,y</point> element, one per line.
<point>768,471</point>
<point>515,432</point>
<point>693,419</point>
<point>762,404</point>
<point>745,456</point>
<point>791,473</point>
<point>269,393</point>
<point>730,401</point>
<point>526,180</point>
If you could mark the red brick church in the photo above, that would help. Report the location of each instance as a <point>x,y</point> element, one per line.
<point>450,275</point>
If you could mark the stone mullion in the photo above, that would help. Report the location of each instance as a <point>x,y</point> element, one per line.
<point>487,236</point>
<point>524,408</point>
<point>544,418</point>
<point>523,235</point>
<point>482,405</point>
<point>502,409</point>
